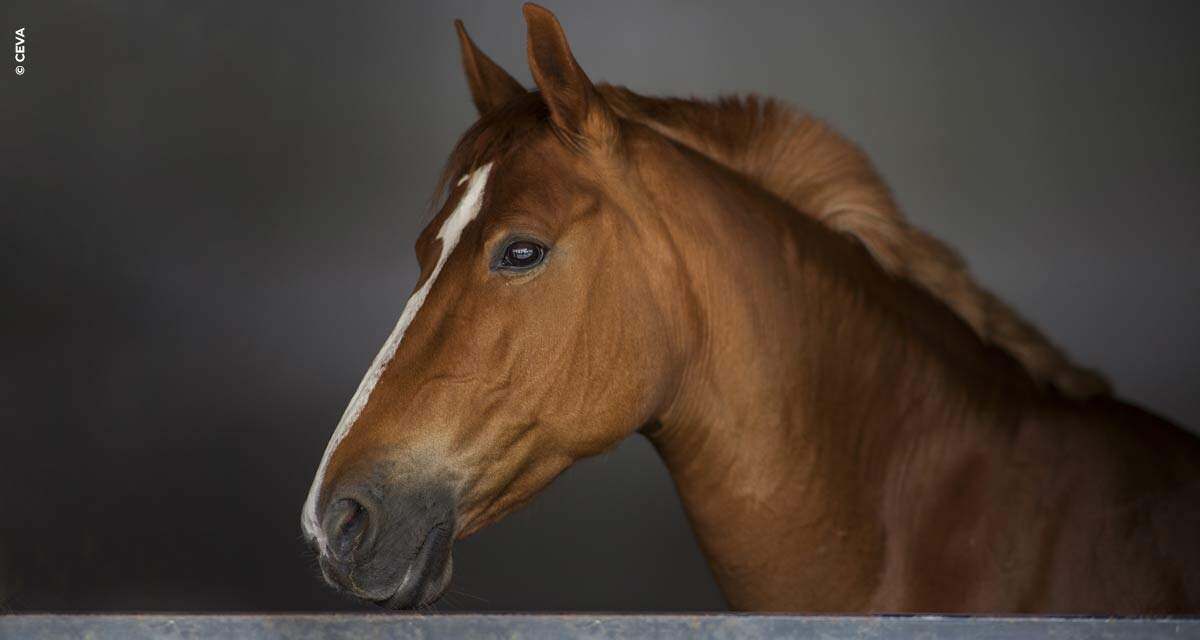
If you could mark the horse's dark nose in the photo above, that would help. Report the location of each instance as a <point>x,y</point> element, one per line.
<point>347,523</point>
<point>390,544</point>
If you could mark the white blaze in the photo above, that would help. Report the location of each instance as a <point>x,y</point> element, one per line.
<point>451,231</point>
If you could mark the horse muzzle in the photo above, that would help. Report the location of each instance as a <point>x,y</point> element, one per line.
<point>389,545</point>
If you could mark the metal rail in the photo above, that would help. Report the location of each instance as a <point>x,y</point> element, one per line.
<point>536,627</point>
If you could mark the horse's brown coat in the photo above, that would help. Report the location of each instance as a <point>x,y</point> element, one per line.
<point>852,423</point>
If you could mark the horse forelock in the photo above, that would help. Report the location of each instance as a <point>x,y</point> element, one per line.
<point>496,135</point>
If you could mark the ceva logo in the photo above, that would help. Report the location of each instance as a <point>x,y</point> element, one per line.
<point>19,51</point>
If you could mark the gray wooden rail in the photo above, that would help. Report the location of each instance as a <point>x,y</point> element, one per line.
<point>536,627</point>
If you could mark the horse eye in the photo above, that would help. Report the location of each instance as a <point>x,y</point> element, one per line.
<point>521,255</point>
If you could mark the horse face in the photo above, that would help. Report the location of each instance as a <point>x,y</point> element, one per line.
<point>534,338</point>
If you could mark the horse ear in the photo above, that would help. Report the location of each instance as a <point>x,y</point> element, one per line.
<point>576,108</point>
<point>491,86</point>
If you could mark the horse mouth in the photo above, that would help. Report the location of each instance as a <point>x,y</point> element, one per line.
<point>427,574</point>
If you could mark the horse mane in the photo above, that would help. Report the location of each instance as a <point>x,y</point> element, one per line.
<point>821,174</point>
<point>804,162</point>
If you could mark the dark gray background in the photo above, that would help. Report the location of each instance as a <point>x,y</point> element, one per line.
<point>208,211</point>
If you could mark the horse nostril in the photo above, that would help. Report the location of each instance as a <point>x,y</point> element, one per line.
<point>345,525</point>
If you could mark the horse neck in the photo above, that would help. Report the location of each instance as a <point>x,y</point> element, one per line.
<point>811,371</point>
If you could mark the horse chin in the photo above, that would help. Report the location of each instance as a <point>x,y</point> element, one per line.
<point>427,578</point>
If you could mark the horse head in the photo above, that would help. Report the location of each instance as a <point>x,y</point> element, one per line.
<point>536,335</point>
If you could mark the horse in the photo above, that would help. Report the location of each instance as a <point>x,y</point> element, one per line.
<point>852,422</point>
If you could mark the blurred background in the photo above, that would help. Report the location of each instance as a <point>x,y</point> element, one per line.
<point>207,213</point>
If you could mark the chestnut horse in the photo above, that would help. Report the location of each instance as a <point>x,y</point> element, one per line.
<point>852,422</point>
